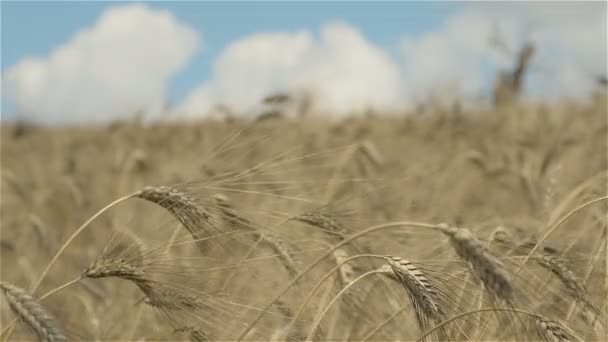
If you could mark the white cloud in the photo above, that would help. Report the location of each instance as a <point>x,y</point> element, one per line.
<point>125,61</point>
<point>345,72</point>
<point>569,37</point>
<point>341,69</point>
<point>121,64</point>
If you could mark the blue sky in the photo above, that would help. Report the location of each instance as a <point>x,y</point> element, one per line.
<point>34,28</point>
<point>426,44</point>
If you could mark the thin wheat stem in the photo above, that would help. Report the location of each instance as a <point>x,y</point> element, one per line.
<point>10,326</point>
<point>75,234</point>
<point>468,313</point>
<point>57,289</point>
<point>389,225</point>
<point>320,283</point>
<point>556,225</point>
<point>30,311</point>
<point>384,323</point>
<point>336,297</point>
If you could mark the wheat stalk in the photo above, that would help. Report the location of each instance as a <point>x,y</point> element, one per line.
<point>32,313</point>
<point>323,256</point>
<point>182,206</point>
<point>165,298</point>
<point>231,215</point>
<point>195,334</point>
<point>128,262</point>
<point>425,297</point>
<point>198,335</point>
<point>558,266</point>
<point>552,331</point>
<point>488,268</point>
<point>346,270</point>
<point>323,219</point>
<point>284,250</point>
<point>119,260</point>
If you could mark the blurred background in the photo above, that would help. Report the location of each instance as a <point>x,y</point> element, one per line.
<point>485,115</point>
<point>91,62</point>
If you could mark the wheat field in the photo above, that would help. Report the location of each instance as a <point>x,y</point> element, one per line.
<point>451,225</point>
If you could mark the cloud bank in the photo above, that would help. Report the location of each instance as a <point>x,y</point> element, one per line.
<point>341,70</point>
<point>121,64</point>
<point>569,40</point>
<point>125,61</point>
<point>347,73</point>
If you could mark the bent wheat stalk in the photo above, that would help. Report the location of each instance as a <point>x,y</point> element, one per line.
<point>428,305</point>
<point>551,229</point>
<point>320,282</point>
<point>398,224</point>
<point>32,313</point>
<point>324,220</point>
<point>76,233</point>
<point>468,313</point>
<point>488,268</point>
<point>183,207</point>
<point>551,331</point>
<point>329,305</point>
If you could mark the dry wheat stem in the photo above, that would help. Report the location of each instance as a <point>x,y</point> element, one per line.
<point>320,283</point>
<point>195,334</point>
<point>323,220</point>
<point>468,313</point>
<point>140,309</point>
<point>76,233</point>
<point>283,250</point>
<point>555,226</point>
<point>53,291</point>
<point>347,271</point>
<point>384,323</point>
<point>333,181</point>
<point>559,268</point>
<point>575,192</point>
<point>118,260</point>
<point>231,215</point>
<point>589,313</point>
<point>551,331</point>
<point>315,325</point>
<point>167,298</point>
<point>606,280</point>
<point>8,329</point>
<point>398,224</point>
<point>184,208</point>
<point>32,313</point>
<point>486,266</point>
<point>273,240</point>
<point>59,288</point>
<point>198,335</point>
<point>428,306</point>
<point>245,258</point>
<point>130,267</point>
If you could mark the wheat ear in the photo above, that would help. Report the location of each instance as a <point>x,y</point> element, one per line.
<point>32,313</point>
<point>552,331</point>
<point>425,297</point>
<point>488,268</point>
<point>182,206</point>
<point>323,219</point>
<point>284,250</point>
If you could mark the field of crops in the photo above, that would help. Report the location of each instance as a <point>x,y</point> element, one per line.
<point>427,226</point>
